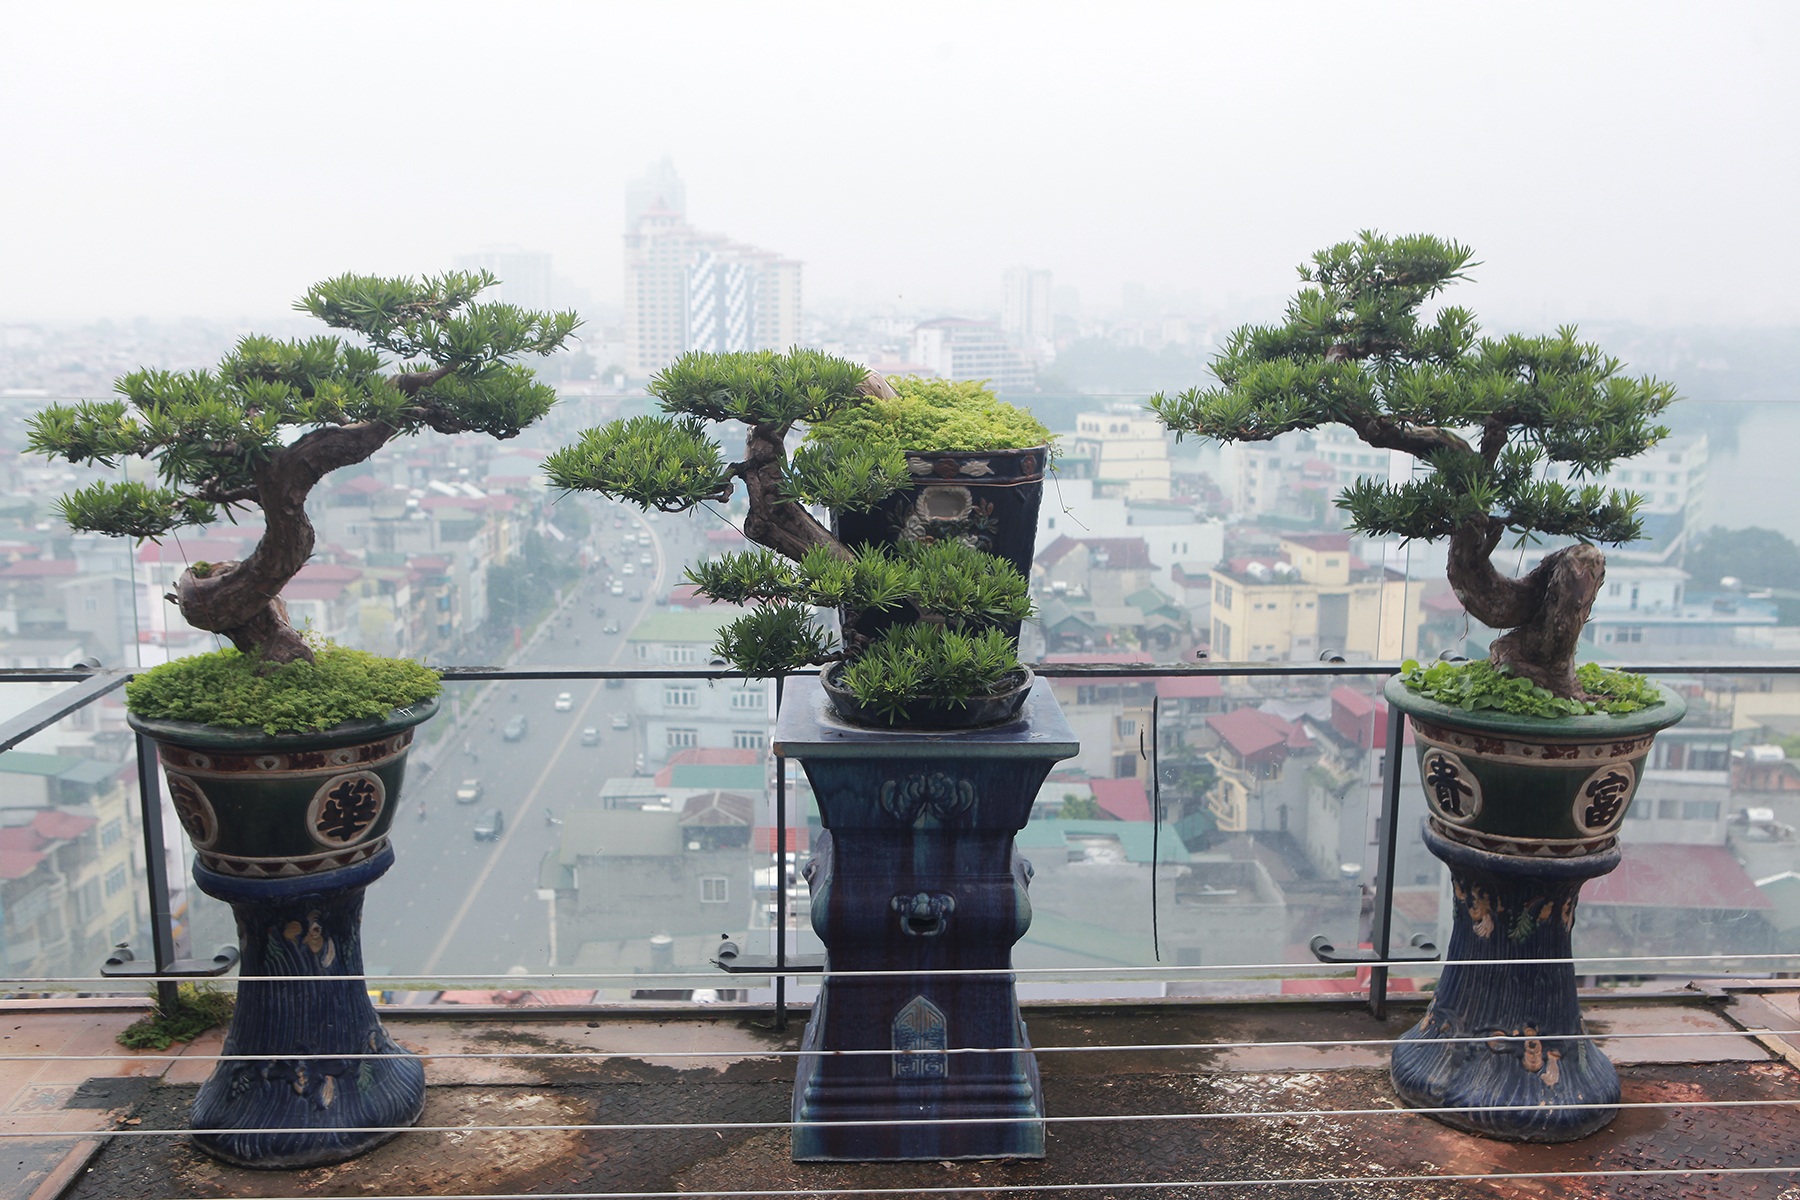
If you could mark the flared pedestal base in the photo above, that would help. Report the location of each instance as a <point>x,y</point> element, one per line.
<point>310,1105</point>
<point>1526,1072</point>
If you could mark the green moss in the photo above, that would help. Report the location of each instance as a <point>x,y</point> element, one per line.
<point>933,414</point>
<point>1480,685</point>
<point>200,1007</point>
<point>225,688</point>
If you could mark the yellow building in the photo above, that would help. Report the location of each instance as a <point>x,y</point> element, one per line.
<point>1312,596</point>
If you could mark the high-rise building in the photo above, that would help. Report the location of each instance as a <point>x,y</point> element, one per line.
<point>524,275</point>
<point>688,290</point>
<point>657,187</point>
<point>957,348</point>
<point>1025,311</point>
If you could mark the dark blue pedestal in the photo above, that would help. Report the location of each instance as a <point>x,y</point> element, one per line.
<point>917,872</point>
<point>1509,907</point>
<point>308,925</point>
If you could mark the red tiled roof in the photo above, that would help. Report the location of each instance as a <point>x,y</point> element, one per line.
<point>1359,718</point>
<point>323,572</point>
<point>1663,875</point>
<point>1123,799</point>
<point>17,864</point>
<point>1319,541</point>
<point>317,589</point>
<point>39,568</point>
<point>1251,732</point>
<point>1204,687</point>
<point>1121,552</point>
<point>715,756</point>
<point>219,546</point>
<point>20,837</point>
<point>362,485</point>
<point>59,825</point>
<point>717,808</point>
<point>763,839</point>
<point>1056,551</point>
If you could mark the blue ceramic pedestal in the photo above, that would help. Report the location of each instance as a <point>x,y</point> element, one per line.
<point>1509,907</point>
<point>308,925</point>
<point>917,872</point>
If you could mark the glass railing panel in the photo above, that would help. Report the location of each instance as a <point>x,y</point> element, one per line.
<point>72,872</point>
<point>575,834</point>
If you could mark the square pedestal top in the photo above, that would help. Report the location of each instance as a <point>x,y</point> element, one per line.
<point>808,728</point>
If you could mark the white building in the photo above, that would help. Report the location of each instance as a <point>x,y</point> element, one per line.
<point>524,276</point>
<point>1025,312</point>
<point>1127,450</point>
<point>687,714</point>
<point>957,348</point>
<point>689,290</point>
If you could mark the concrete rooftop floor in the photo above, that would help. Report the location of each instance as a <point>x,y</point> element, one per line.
<point>85,1124</point>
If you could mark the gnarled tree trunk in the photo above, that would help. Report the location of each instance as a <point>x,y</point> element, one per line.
<point>1543,612</point>
<point>242,600</point>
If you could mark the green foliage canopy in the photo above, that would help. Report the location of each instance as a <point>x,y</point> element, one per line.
<point>434,359</point>
<point>1486,414</point>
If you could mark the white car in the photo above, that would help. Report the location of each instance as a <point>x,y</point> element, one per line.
<point>621,721</point>
<point>647,559</point>
<point>564,702</point>
<point>628,569</point>
<point>617,588</point>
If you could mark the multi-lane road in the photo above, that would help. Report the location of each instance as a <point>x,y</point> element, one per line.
<point>454,905</point>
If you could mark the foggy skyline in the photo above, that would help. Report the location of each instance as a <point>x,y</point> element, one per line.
<point>1628,161</point>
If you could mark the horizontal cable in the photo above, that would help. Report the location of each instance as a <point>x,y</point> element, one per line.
<point>976,1189</point>
<point>1286,1114</point>
<point>441,982</point>
<point>1118,1048</point>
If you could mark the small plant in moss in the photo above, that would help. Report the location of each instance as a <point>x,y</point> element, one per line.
<point>198,1008</point>
<point>233,689</point>
<point>952,595</point>
<point>1473,686</point>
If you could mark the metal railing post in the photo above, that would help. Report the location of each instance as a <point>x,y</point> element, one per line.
<point>156,872</point>
<point>781,877</point>
<point>1382,918</point>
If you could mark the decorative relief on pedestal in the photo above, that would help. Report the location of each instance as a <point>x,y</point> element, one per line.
<point>1451,789</point>
<point>194,811</point>
<point>1600,804</point>
<point>345,808</point>
<point>919,1029</point>
<point>928,794</point>
<point>923,914</point>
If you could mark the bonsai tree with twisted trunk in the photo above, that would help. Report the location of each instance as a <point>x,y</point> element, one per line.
<point>956,594</point>
<point>1484,414</point>
<point>275,417</point>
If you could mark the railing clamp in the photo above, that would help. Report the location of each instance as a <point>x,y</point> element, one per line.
<point>123,964</point>
<point>1423,950</point>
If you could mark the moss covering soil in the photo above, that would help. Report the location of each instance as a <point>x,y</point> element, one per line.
<point>234,690</point>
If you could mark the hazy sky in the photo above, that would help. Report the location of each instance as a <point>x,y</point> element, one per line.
<point>1627,160</point>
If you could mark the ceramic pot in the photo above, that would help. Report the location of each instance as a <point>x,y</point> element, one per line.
<point>925,714</point>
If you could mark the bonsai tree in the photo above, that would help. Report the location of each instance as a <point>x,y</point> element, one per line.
<point>670,462</point>
<point>1483,414</point>
<point>275,417</point>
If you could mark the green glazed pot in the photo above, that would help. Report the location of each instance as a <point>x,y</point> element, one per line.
<point>262,806</point>
<point>1553,787</point>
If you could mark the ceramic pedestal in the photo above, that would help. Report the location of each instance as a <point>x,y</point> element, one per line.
<point>309,1106</point>
<point>917,872</point>
<point>1523,811</point>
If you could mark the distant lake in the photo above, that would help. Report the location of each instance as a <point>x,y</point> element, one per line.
<point>1753,470</point>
